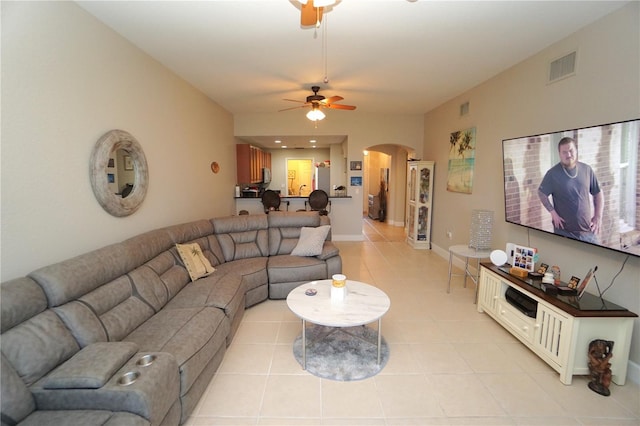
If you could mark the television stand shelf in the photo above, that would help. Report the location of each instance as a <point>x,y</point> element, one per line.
<point>557,328</point>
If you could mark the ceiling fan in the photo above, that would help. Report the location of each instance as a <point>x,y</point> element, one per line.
<point>312,11</point>
<point>316,102</point>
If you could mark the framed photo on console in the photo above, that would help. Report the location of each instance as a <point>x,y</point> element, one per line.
<point>585,283</point>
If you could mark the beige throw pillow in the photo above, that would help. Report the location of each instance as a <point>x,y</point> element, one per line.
<point>311,241</point>
<point>194,260</point>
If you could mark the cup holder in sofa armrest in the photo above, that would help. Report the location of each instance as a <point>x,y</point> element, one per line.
<point>146,360</point>
<point>148,391</point>
<point>92,367</point>
<point>128,378</point>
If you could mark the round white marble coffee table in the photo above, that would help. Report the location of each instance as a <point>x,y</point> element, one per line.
<point>363,304</point>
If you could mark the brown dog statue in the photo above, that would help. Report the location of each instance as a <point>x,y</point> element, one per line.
<point>599,366</point>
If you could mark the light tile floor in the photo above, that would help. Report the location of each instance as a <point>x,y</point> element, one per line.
<point>449,364</point>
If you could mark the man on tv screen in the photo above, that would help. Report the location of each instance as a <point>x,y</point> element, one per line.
<point>569,183</point>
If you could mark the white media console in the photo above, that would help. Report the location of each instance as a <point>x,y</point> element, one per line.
<point>557,328</point>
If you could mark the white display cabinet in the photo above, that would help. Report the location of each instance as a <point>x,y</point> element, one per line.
<point>419,208</point>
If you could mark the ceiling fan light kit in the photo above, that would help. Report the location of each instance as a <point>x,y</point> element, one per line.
<point>315,115</point>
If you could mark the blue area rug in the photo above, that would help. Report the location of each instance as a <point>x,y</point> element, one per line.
<point>343,354</point>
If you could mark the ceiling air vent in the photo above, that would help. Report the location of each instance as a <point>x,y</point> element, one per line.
<point>562,67</point>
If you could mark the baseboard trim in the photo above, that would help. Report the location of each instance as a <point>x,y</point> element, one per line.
<point>347,237</point>
<point>633,372</point>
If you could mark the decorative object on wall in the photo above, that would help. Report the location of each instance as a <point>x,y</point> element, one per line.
<point>481,227</point>
<point>462,148</point>
<point>215,167</point>
<point>356,165</point>
<point>356,180</point>
<point>128,164</point>
<point>103,151</point>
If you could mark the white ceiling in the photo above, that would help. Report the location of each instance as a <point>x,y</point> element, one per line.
<point>384,56</point>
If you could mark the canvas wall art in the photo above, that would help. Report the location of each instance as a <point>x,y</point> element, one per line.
<point>462,152</point>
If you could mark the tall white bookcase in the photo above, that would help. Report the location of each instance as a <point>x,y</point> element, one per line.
<point>419,199</point>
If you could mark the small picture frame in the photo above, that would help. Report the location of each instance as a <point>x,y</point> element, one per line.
<point>111,177</point>
<point>356,180</point>
<point>573,283</point>
<point>585,283</point>
<point>112,163</point>
<point>356,165</point>
<point>542,268</point>
<point>128,163</point>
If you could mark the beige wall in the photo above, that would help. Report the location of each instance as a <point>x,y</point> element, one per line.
<point>518,102</point>
<point>66,80</point>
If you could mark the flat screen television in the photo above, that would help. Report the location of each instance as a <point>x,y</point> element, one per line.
<point>605,183</point>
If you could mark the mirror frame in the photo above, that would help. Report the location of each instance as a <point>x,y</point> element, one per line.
<point>110,142</point>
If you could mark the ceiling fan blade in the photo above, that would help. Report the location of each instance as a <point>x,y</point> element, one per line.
<point>332,99</point>
<point>296,107</point>
<point>294,100</point>
<point>310,15</point>
<point>339,106</point>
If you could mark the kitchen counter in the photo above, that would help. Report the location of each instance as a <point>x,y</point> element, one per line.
<point>295,197</point>
<point>254,204</point>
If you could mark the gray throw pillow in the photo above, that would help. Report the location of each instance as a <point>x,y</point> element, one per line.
<point>311,241</point>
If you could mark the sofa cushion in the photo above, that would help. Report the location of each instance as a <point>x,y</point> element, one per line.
<point>285,268</point>
<point>218,290</point>
<point>285,227</point>
<point>311,241</point>
<point>16,402</point>
<point>92,367</point>
<point>191,335</point>
<point>196,263</point>
<point>242,237</point>
<point>38,345</point>
<point>73,278</point>
<point>108,313</point>
<point>21,299</point>
<point>253,271</point>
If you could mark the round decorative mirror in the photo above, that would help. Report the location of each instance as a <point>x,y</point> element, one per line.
<point>119,173</point>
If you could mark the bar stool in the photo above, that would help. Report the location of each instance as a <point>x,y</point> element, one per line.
<point>467,253</point>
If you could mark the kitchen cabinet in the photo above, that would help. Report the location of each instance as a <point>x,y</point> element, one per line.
<point>250,160</point>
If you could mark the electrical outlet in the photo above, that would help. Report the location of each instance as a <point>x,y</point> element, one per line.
<point>449,234</point>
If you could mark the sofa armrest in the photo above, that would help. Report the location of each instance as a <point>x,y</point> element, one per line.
<point>92,367</point>
<point>151,394</point>
<point>328,250</point>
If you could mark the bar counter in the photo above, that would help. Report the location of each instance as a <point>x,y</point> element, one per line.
<point>254,204</point>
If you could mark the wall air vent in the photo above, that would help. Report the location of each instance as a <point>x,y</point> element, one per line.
<point>464,109</point>
<point>562,67</point>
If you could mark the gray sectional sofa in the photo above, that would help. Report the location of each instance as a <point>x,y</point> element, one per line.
<point>122,336</point>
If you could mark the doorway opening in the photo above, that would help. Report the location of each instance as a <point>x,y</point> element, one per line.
<point>299,177</point>
<point>385,177</point>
